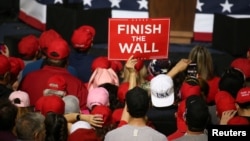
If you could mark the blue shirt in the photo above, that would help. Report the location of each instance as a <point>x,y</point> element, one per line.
<point>82,62</point>
<point>38,64</point>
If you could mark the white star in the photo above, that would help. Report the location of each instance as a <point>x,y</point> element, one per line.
<point>143,4</point>
<point>58,1</point>
<point>87,2</point>
<point>115,3</point>
<point>199,5</point>
<point>226,6</point>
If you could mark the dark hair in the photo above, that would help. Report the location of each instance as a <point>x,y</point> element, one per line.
<point>57,63</point>
<point>137,100</point>
<point>197,113</point>
<point>192,81</point>
<point>56,127</point>
<point>231,81</point>
<point>25,57</point>
<point>204,87</point>
<point>113,100</point>
<point>8,113</point>
<point>102,131</point>
<point>245,105</point>
<point>202,56</point>
<point>28,125</point>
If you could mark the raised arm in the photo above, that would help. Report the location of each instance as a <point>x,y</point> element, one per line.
<point>179,67</point>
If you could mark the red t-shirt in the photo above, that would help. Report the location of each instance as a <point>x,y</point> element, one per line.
<point>35,83</point>
<point>213,88</point>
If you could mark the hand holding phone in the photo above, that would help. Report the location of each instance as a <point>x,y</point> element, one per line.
<point>192,70</point>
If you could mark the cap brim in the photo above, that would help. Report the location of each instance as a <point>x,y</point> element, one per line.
<point>162,102</point>
<point>80,125</point>
<point>55,92</point>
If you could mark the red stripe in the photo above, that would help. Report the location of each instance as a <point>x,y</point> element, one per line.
<point>32,21</point>
<point>201,36</point>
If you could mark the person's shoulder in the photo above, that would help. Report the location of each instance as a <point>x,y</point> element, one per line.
<point>33,66</point>
<point>200,137</point>
<point>182,138</point>
<point>157,132</point>
<point>35,63</point>
<point>32,73</point>
<point>115,131</point>
<point>154,132</point>
<point>158,135</point>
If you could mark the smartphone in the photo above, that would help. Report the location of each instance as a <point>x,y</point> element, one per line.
<point>192,70</point>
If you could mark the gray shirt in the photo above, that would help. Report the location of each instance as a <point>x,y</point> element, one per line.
<point>188,137</point>
<point>134,133</point>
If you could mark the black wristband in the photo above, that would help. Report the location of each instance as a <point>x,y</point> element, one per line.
<point>78,117</point>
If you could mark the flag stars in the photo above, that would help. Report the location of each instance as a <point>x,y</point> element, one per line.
<point>58,1</point>
<point>226,6</point>
<point>87,2</point>
<point>199,5</point>
<point>143,4</point>
<point>115,3</point>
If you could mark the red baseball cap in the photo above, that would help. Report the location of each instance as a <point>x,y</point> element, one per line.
<point>116,65</point>
<point>139,64</point>
<point>47,37</point>
<point>39,104</point>
<point>83,37</point>
<point>238,120</point>
<point>122,90</point>
<point>243,64</point>
<point>243,95</point>
<point>28,46</point>
<point>83,135</point>
<point>52,103</point>
<point>17,65</point>
<point>224,101</point>
<point>100,62</point>
<point>188,90</point>
<point>104,111</point>
<point>58,49</point>
<point>116,115</point>
<point>4,65</point>
<point>56,85</point>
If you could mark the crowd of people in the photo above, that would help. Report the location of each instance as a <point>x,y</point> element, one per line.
<point>57,91</point>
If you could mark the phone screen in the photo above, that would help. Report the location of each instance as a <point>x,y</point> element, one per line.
<point>192,70</point>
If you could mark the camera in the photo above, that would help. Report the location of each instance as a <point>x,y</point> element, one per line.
<point>192,70</point>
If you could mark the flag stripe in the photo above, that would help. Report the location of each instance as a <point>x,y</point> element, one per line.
<point>203,26</point>
<point>33,13</point>
<point>32,21</point>
<point>129,14</point>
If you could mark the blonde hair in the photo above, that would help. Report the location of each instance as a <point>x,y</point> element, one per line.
<point>202,56</point>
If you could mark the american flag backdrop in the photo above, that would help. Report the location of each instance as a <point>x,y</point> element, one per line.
<point>204,18</point>
<point>33,12</point>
